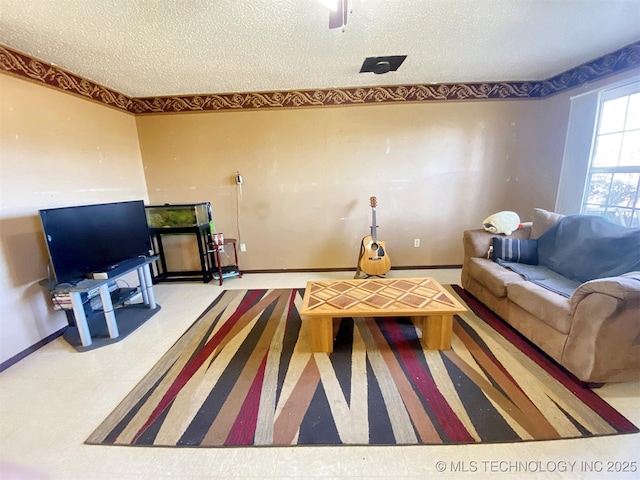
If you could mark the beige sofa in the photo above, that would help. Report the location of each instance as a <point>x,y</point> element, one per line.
<point>594,334</point>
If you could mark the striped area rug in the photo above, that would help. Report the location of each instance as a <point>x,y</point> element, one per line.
<point>243,374</point>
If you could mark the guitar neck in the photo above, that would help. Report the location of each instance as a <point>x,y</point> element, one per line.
<point>374,226</point>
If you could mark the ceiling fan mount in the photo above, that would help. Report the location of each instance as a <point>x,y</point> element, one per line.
<point>380,65</point>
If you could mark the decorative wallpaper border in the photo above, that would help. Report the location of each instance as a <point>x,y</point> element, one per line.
<point>16,63</point>
<point>21,65</point>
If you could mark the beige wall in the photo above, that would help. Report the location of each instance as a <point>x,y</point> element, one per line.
<point>539,134</point>
<point>57,150</point>
<point>435,168</point>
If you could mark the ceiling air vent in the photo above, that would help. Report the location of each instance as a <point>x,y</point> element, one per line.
<point>379,65</point>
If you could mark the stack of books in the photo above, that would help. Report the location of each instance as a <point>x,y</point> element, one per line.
<point>62,298</point>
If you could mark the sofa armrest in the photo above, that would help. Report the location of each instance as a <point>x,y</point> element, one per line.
<point>623,288</point>
<point>476,242</point>
<point>602,342</point>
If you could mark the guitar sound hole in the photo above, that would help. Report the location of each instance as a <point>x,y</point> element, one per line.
<point>375,246</point>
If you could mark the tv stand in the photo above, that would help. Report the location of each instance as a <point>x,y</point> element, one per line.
<point>129,316</point>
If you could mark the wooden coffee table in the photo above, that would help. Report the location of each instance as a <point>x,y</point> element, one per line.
<point>421,299</point>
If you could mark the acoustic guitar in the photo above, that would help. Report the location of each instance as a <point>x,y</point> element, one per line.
<point>373,260</point>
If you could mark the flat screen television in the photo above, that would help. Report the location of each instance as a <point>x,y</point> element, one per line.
<point>94,238</point>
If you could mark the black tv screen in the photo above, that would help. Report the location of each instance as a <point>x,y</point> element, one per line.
<point>93,238</point>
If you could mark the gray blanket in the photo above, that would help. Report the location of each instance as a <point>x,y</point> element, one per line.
<point>585,247</point>
<point>544,277</point>
<point>579,248</point>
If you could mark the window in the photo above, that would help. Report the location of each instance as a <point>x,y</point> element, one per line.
<point>613,177</point>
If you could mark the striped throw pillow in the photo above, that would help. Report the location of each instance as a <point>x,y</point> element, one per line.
<point>515,250</point>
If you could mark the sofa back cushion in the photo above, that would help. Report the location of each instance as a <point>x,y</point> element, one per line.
<point>542,221</point>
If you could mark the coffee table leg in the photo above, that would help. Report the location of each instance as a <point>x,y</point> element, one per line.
<point>321,334</point>
<point>436,332</point>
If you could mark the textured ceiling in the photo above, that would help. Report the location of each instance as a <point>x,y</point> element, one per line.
<point>171,47</point>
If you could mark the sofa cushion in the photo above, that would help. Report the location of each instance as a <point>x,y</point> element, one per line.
<point>515,250</point>
<point>492,276</point>
<point>549,307</point>
<point>542,221</point>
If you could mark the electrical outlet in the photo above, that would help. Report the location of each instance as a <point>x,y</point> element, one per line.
<point>243,247</point>
<point>416,242</point>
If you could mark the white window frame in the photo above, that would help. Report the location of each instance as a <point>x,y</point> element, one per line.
<point>584,116</point>
<point>604,96</point>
